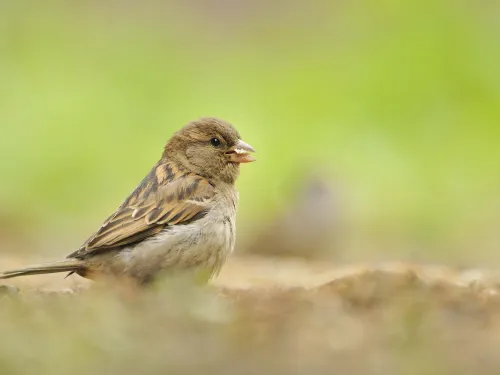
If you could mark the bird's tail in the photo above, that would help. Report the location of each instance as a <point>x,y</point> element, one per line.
<point>67,265</point>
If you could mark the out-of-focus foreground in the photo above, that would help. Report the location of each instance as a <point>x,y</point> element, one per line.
<point>376,126</point>
<point>391,318</point>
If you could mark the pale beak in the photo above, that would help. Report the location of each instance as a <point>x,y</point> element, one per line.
<point>240,153</point>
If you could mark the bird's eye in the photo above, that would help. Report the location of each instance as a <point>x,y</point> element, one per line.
<point>215,142</point>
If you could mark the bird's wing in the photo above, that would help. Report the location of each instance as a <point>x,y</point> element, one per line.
<point>167,196</point>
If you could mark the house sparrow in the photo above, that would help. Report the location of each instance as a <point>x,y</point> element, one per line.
<point>180,218</point>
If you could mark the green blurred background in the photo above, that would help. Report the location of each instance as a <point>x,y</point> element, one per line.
<point>377,130</point>
<point>394,105</point>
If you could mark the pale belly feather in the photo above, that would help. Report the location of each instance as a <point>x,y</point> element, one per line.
<point>203,245</point>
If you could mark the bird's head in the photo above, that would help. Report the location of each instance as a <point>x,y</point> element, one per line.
<point>211,148</point>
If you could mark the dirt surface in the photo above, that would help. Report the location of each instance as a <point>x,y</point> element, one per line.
<point>256,272</point>
<point>261,315</point>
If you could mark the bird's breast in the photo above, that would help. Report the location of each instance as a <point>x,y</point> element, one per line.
<point>205,244</point>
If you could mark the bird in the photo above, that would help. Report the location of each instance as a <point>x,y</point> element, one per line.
<point>180,218</point>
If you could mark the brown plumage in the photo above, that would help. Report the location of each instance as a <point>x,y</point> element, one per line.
<point>180,217</point>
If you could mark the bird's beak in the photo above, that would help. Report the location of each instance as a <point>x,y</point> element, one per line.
<point>240,153</point>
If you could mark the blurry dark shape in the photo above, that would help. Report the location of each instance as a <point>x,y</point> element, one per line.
<point>309,228</point>
<point>8,290</point>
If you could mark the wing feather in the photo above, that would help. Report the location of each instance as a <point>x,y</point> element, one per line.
<point>167,196</point>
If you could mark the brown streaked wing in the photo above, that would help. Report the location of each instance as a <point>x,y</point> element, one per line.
<point>167,196</point>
